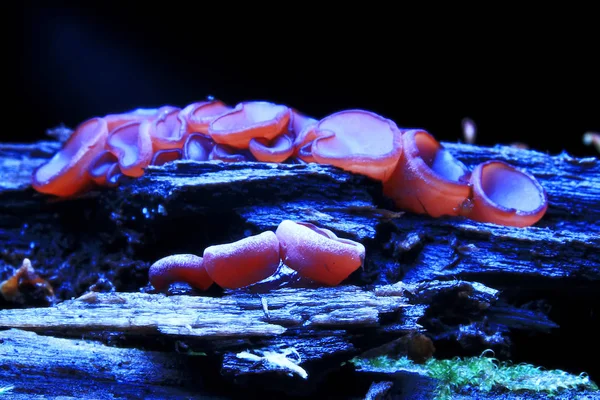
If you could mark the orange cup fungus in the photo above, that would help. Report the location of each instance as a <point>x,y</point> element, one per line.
<point>187,268</point>
<point>276,150</point>
<point>254,119</point>
<point>318,254</point>
<point>315,253</point>
<point>417,173</point>
<point>168,130</point>
<point>66,173</point>
<point>427,180</point>
<point>100,168</point>
<point>505,195</point>
<point>242,263</point>
<point>356,140</point>
<point>198,147</point>
<point>198,116</point>
<point>132,144</point>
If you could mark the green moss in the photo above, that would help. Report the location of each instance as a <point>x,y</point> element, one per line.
<point>485,374</point>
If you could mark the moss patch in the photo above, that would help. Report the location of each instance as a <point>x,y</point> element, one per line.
<point>483,373</point>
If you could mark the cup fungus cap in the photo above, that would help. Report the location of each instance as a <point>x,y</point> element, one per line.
<point>101,165</point>
<point>66,173</point>
<point>139,114</point>
<point>317,253</point>
<point>254,119</point>
<point>199,115</point>
<point>132,145</point>
<point>299,122</point>
<point>198,147</point>
<point>428,179</point>
<point>186,268</point>
<point>222,152</point>
<point>506,196</point>
<point>276,150</point>
<point>244,262</point>
<point>168,130</point>
<point>164,156</point>
<point>358,141</point>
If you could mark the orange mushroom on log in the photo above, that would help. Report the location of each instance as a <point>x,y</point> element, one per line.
<point>222,152</point>
<point>244,262</point>
<point>506,196</point>
<point>66,173</point>
<point>358,141</point>
<point>168,130</point>
<point>276,150</point>
<point>199,115</point>
<point>428,179</point>
<point>318,254</point>
<point>254,119</point>
<point>197,147</point>
<point>101,165</point>
<point>164,156</point>
<point>186,268</point>
<point>139,114</point>
<point>132,145</point>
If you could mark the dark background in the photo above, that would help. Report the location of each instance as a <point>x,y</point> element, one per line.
<point>521,76</point>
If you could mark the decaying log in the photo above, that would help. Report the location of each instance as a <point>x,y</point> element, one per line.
<point>105,240</point>
<point>238,315</point>
<point>269,319</point>
<point>28,353</point>
<point>564,244</point>
<point>153,216</point>
<point>314,326</point>
<point>44,367</point>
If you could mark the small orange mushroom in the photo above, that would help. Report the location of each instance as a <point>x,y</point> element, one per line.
<point>303,144</point>
<point>318,254</point>
<point>358,141</point>
<point>140,114</point>
<point>164,156</point>
<point>504,195</point>
<point>226,153</point>
<point>427,180</point>
<point>114,176</point>
<point>101,165</point>
<point>199,115</point>
<point>132,145</point>
<point>168,130</point>
<point>253,119</point>
<point>299,122</point>
<point>197,147</point>
<point>276,150</point>
<point>186,268</point>
<point>242,263</point>
<point>66,173</point>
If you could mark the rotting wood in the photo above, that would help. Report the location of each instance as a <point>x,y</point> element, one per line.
<point>142,220</point>
<point>106,239</point>
<point>38,355</point>
<point>45,367</point>
<point>234,316</point>
<point>316,323</point>
<point>311,332</point>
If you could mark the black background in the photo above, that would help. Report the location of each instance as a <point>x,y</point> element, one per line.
<point>526,76</point>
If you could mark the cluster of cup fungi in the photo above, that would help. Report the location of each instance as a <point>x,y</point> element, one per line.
<point>314,253</point>
<point>417,173</point>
